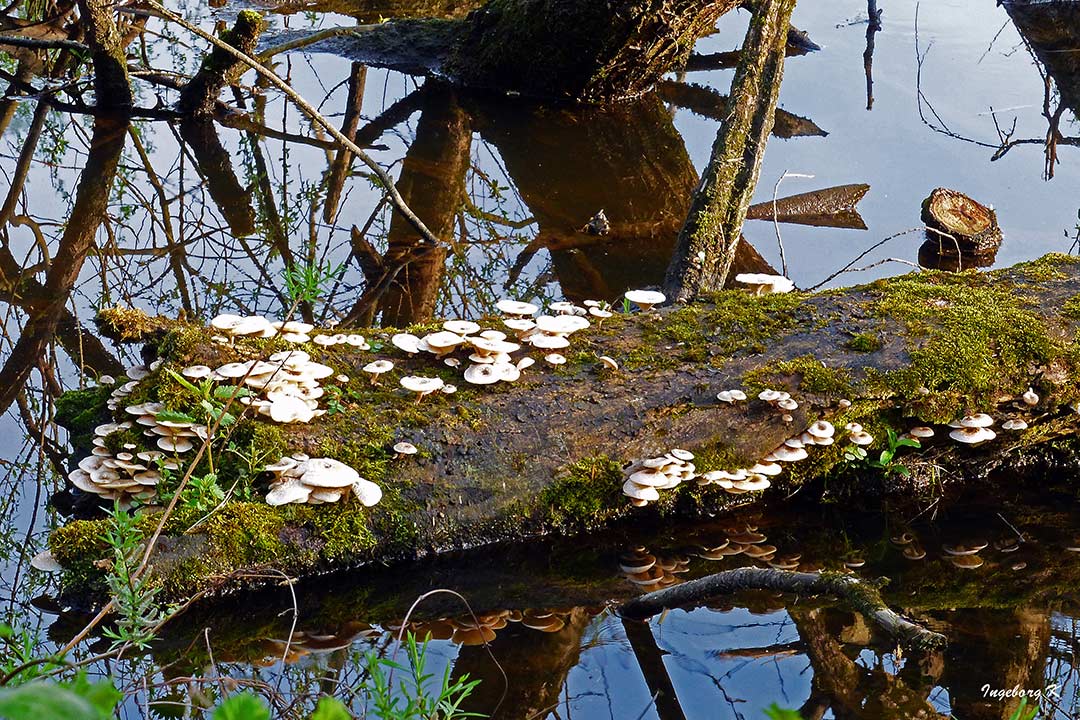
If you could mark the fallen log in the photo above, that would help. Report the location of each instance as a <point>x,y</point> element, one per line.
<point>859,594</point>
<point>544,454</point>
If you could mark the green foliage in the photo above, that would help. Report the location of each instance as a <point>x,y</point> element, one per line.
<point>331,709</point>
<point>863,342</point>
<point>775,712</point>
<point>242,706</point>
<point>133,596</point>
<point>202,493</point>
<point>1022,713</point>
<point>886,461</point>
<point>308,283</point>
<point>412,700</point>
<point>39,700</point>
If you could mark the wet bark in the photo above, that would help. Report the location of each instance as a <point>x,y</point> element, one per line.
<point>707,243</point>
<point>220,68</point>
<point>544,48</point>
<point>87,214</point>
<point>405,283</point>
<point>214,163</point>
<point>111,88</point>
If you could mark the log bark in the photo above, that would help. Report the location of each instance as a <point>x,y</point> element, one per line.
<point>706,246</point>
<point>220,68</point>
<point>859,594</point>
<point>543,455</point>
<point>111,89</point>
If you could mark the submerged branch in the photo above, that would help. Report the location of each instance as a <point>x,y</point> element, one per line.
<point>859,594</point>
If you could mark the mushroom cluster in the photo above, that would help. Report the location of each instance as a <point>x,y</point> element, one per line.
<point>470,630</point>
<point>490,356</point>
<point>257,326</point>
<point>646,478</point>
<point>123,477</point>
<point>972,429</point>
<point>315,481</point>
<point>652,572</point>
<point>288,381</point>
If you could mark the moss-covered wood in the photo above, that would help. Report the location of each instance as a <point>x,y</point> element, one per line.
<point>544,455</point>
<point>220,68</point>
<point>706,246</point>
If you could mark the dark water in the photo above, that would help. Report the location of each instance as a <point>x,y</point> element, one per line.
<point>203,226</point>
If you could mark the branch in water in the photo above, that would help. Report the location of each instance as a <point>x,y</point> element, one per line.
<point>859,594</point>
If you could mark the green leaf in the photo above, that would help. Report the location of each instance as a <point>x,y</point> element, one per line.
<point>183,381</point>
<point>173,416</point>
<point>39,700</point>
<point>242,706</point>
<point>774,712</point>
<point>331,709</point>
<point>908,442</point>
<point>224,392</point>
<point>103,695</point>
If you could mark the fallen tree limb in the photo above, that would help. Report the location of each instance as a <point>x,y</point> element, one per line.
<point>706,246</point>
<point>859,594</point>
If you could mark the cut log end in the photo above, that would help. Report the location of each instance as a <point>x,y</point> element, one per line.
<point>951,216</point>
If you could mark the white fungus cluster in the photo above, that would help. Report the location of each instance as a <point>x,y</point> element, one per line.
<point>646,478</point>
<point>131,474</point>
<point>315,481</point>
<point>490,356</point>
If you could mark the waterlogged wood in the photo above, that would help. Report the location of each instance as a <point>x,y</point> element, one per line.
<point>707,242</point>
<point>546,48</point>
<point>829,207</point>
<point>856,592</point>
<point>220,68</point>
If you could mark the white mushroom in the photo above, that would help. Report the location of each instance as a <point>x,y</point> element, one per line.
<point>461,327</point>
<point>763,284</point>
<point>972,435</point>
<point>482,374</point>
<point>822,429</point>
<point>406,342</point>
<point>421,385</point>
<point>1016,424</point>
<point>608,362</point>
<point>1030,398</point>
<point>730,396</point>
<point>645,299</point>
<point>861,438</point>
<point>513,307</point>
<point>196,372</point>
<point>922,432</point>
<point>555,359</point>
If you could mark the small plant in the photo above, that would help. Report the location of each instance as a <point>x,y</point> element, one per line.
<point>886,461</point>
<point>412,701</point>
<point>1023,713</point>
<point>308,283</point>
<point>212,399</point>
<point>132,595</point>
<point>202,493</point>
<point>775,712</point>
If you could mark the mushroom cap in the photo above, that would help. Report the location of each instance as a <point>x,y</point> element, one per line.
<point>225,321</point>
<point>821,429</point>
<point>378,367</point>
<point>407,342</point>
<point>420,384</point>
<point>196,372</point>
<point>787,404</point>
<point>645,298</point>
<point>174,444</point>
<point>972,435</point>
<point>600,313</point>
<point>328,473</point>
<point>770,469</point>
<point>324,340</point>
<point>543,341</point>
<point>485,346</point>
<point>1015,424</point>
<point>405,448</point>
<point>368,493</point>
<point>461,327</point>
<point>289,408</point>
<point>440,342</point>
<point>285,463</point>
<point>525,362</point>
<point>730,396</point>
<point>519,325</point>
<point>861,438</point>
<point>608,362</point>
<point>46,562</point>
<point>978,420</point>
<point>650,478</point>
<point>555,359</point>
<point>514,307</point>
<point>289,491</point>
<point>493,335</point>
<point>290,358</point>
<point>769,283</point>
<point>253,325</point>
<point>449,389</point>
<point>681,454</point>
<point>482,374</point>
<point>561,324</point>
<point>789,454</point>
<point>235,370</point>
<point>921,432</point>
<point>640,492</point>
<point>1030,398</point>
<point>507,371</point>
<point>294,326</point>
<point>769,395</point>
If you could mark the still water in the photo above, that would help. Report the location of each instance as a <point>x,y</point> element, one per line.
<point>202,223</point>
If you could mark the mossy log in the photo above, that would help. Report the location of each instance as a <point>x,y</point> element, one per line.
<point>585,51</point>
<point>544,455</point>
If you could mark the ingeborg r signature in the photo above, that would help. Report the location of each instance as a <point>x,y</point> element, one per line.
<point>1050,691</point>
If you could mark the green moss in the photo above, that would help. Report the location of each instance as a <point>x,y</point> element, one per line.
<point>969,341</point>
<point>1051,266</point>
<point>811,376</point>
<point>79,411</point>
<point>130,325</point>
<point>863,342</point>
<point>1071,308</point>
<point>587,495</point>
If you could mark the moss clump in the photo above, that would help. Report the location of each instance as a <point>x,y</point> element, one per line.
<point>587,495</point>
<point>970,340</point>
<point>79,411</point>
<point>812,376</point>
<point>1049,267</point>
<point>720,326</point>
<point>863,342</point>
<point>130,324</point>
<point>1071,308</point>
